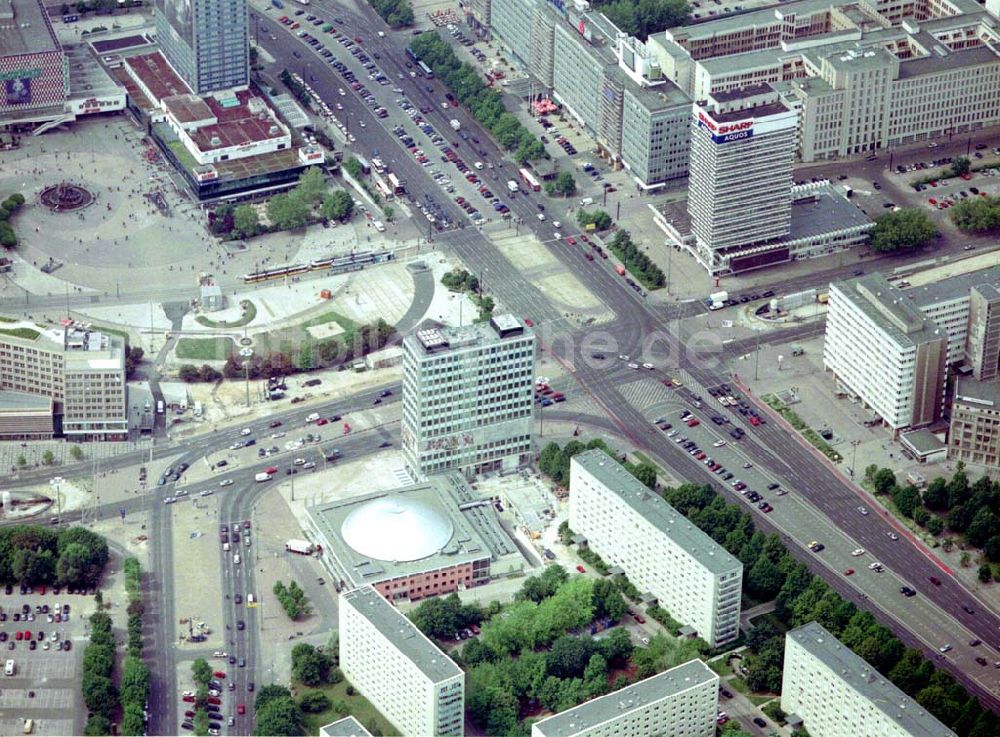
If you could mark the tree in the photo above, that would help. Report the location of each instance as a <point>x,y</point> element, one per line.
<point>977,215</point>
<point>314,702</point>
<point>985,573</point>
<point>97,726</point>
<point>935,525</point>
<point>201,722</point>
<point>270,693</point>
<point>286,211</point>
<point>30,566</point>
<point>245,220</point>
<point>311,187</point>
<point>616,647</point>
<point>569,656</point>
<point>884,480</point>
<point>74,566</point>
<point>936,495</point>
<point>201,672</point>
<point>960,165</point>
<point>99,694</point>
<point>645,473</point>
<point>902,230</point>
<point>279,718</point>
<point>765,579</point>
<point>133,720</point>
<point>22,461</point>
<point>563,185</point>
<point>338,205</point>
<point>309,665</point>
<point>906,499</point>
<point>76,453</point>
<point>48,458</point>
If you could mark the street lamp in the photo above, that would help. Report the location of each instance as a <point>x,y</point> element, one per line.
<point>854,454</point>
<point>55,483</point>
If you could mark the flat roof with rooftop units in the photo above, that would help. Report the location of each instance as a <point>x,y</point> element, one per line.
<point>25,28</point>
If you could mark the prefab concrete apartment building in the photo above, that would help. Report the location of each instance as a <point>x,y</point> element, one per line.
<point>402,673</point>
<point>661,552</point>
<point>680,702</point>
<point>468,397</point>
<point>838,694</point>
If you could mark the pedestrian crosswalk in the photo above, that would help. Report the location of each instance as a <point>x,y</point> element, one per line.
<point>645,393</point>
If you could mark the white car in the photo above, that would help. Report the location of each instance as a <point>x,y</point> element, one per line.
<point>634,366</point>
<point>181,492</point>
<point>622,357</point>
<point>341,92</point>
<point>313,417</point>
<point>648,366</point>
<point>541,216</point>
<point>718,443</point>
<point>226,482</point>
<point>245,431</point>
<point>169,500</point>
<point>858,552</point>
<point>277,435</point>
<point>299,461</point>
<point>207,492</point>
<point>875,566</point>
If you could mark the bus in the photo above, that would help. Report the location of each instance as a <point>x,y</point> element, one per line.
<point>383,189</point>
<point>397,186</point>
<point>426,70</point>
<point>365,166</point>
<point>412,56</point>
<point>530,180</point>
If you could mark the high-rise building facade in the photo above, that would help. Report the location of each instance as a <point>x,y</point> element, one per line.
<point>983,334</point>
<point>468,397</point>
<point>884,350</point>
<point>661,552</point>
<point>740,174</point>
<point>392,663</point>
<point>838,694</point>
<point>974,435</point>
<point>207,42</point>
<point>680,702</point>
<point>81,370</point>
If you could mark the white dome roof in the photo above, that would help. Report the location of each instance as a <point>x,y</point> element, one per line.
<point>396,528</point>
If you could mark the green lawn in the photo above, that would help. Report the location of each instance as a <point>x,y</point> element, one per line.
<point>357,706</point>
<point>7,319</point>
<point>205,349</point>
<point>182,154</point>
<point>721,666</point>
<point>249,313</point>
<point>756,699</point>
<point>26,333</point>
<point>331,316</point>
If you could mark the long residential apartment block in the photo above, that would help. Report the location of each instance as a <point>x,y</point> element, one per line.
<point>864,76</point>
<point>609,82</point>
<point>67,380</point>
<point>392,663</point>
<point>838,694</point>
<point>661,552</point>
<point>680,702</point>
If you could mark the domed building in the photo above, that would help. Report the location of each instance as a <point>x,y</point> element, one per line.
<point>415,542</point>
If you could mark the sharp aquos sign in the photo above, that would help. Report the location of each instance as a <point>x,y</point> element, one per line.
<point>726,132</point>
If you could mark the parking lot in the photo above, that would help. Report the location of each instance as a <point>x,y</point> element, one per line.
<point>44,686</point>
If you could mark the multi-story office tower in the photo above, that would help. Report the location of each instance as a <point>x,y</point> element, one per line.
<point>392,663</point>
<point>864,77</point>
<point>468,397</point>
<point>662,553</point>
<point>81,370</point>
<point>207,42</point>
<point>983,335</point>
<point>884,350</point>
<point>680,702</point>
<point>838,694</point>
<point>974,436</point>
<point>740,173</point>
<point>606,80</point>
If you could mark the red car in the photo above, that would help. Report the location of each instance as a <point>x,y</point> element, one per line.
<point>27,634</point>
<point>935,580</point>
<point>219,674</point>
<point>581,569</point>
<point>639,618</point>
<point>693,422</point>
<point>189,714</point>
<point>271,470</point>
<point>571,240</point>
<point>241,709</point>
<point>849,572</point>
<point>276,423</point>
<point>529,323</point>
<point>754,421</point>
<point>322,421</point>
<point>19,635</point>
<point>213,700</point>
<point>188,699</point>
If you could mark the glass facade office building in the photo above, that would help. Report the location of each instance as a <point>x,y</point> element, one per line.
<point>206,42</point>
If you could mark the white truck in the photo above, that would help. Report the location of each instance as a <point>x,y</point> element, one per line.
<point>717,300</point>
<point>10,668</point>
<point>263,476</point>
<point>455,125</point>
<point>302,547</point>
<point>512,186</point>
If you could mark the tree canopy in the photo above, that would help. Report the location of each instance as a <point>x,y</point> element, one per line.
<point>977,215</point>
<point>902,230</point>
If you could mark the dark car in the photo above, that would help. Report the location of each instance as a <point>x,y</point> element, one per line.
<point>250,686</point>
<point>759,722</point>
<point>241,625</point>
<point>968,609</point>
<point>386,393</point>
